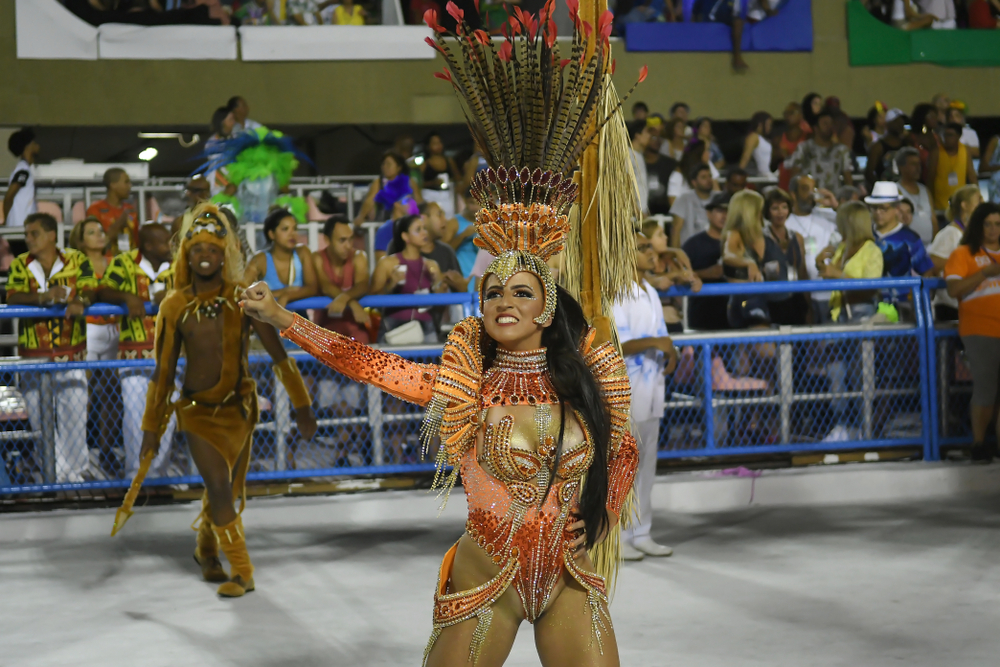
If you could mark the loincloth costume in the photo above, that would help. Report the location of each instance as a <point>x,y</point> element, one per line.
<point>226,414</point>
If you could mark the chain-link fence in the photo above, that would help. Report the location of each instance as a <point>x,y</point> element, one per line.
<point>77,425</point>
<point>808,388</point>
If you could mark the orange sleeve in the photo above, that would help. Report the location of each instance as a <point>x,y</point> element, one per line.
<point>960,264</point>
<point>391,373</point>
<point>622,465</point>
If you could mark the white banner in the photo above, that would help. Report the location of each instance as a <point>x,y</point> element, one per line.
<point>336,42</point>
<point>121,41</point>
<point>47,30</point>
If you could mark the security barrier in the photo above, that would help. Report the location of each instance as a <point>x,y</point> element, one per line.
<point>74,426</point>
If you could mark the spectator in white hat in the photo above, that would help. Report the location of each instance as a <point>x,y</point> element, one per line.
<point>903,253</point>
<point>882,152</point>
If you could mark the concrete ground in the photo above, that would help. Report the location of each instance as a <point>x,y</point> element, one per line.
<point>348,581</point>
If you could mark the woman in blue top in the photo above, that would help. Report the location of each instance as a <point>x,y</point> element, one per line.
<point>286,266</point>
<point>394,183</point>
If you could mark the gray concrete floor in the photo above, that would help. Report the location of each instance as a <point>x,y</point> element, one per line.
<point>864,586</point>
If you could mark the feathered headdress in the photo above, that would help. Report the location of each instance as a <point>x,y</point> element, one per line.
<point>531,115</point>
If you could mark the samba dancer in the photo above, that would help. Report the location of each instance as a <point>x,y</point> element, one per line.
<point>217,410</point>
<point>527,407</point>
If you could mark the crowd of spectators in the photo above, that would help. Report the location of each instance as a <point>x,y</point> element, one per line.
<point>919,177</point>
<point>793,204</point>
<point>936,14</point>
<point>220,12</point>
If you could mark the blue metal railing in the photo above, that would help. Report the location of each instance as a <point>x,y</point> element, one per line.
<point>714,408</point>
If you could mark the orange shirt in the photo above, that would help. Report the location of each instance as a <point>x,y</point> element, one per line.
<point>978,311</point>
<point>109,214</point>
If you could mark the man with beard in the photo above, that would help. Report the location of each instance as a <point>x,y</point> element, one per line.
<point>217,409</point>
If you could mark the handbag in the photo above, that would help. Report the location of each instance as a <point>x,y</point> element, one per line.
<point>410,333</point>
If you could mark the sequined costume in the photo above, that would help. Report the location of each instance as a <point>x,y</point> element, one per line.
<point>505,485</point>
<point>532,114</point>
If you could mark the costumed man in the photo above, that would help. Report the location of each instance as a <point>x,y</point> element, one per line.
<point>217,409</point>
<point>132,279</point>
<point>649,354</point>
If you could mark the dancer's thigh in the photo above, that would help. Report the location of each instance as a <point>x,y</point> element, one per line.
<point>564,635</point>
<point>452,648</point>
<point>473,568</point>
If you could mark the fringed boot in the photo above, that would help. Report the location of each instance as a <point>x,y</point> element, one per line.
<point>206,553</point>
<point>234,546</point>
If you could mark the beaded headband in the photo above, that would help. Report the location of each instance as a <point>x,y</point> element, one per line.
<point>207,228</point>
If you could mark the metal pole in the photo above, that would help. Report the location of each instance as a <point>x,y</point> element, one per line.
<point>141,197</point>
<point>943,386</point>
<point>47,427</point>
<point>67,207</point>
<point>787,389</point>
<point>706,400</point>
<point>350,202</point>
<point>370,231</point>
<point>868,383</point>
<point>375,423</point>
<point>313,235</point>
<point>282,426</point>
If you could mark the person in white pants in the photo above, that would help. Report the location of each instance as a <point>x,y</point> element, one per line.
<point>649,354</point>
<point>135,383</point>
<point>49,276</point>
<point>69,390</point>
<point>132,279</point>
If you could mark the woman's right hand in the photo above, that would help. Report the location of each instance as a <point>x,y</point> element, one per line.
<point>754,274</point>
<point>258,302</point>
<point>398,275</point>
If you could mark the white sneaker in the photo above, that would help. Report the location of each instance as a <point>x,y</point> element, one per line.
<point>651,548</point>
<point>631,553</point>
<point>838,434</point>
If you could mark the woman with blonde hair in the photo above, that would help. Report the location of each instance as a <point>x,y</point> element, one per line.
<point>857,256</point>
<point>960,208</point>
<point>749,255</point>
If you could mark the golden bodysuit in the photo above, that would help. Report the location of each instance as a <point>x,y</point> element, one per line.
<point>509,415</point>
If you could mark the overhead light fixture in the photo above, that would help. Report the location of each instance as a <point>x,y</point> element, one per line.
<point>419,160</point>
<point>195,138</point>
<point>148,154</point>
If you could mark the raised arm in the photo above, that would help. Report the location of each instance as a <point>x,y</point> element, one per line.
<point>391,373</point>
